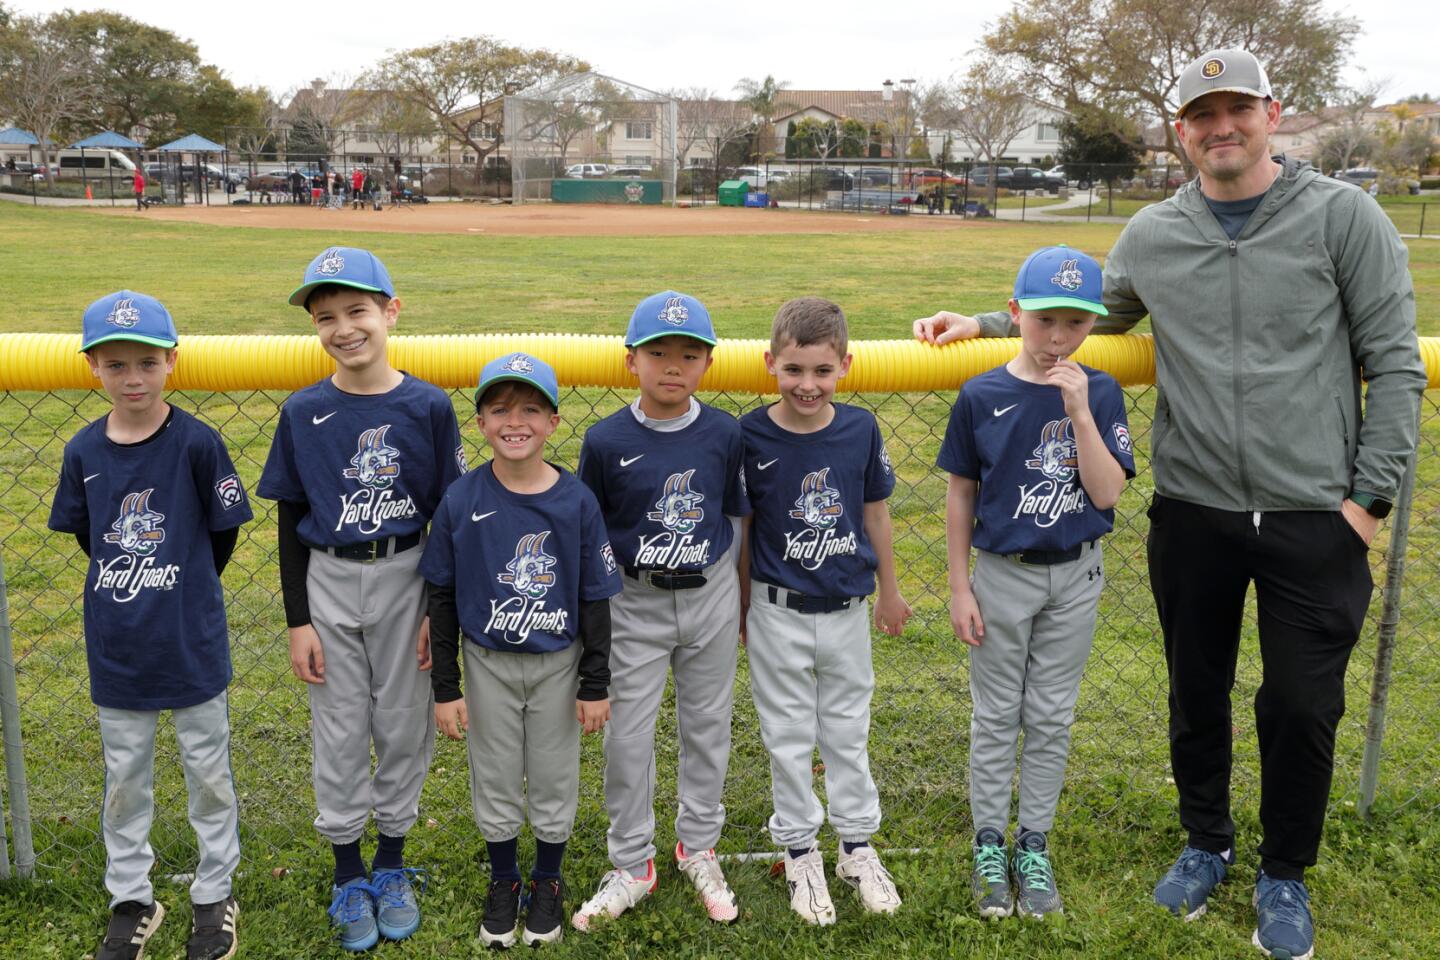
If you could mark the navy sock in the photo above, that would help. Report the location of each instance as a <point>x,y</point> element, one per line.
<point>547,860</point>
<point>797,852</point>
<point>348,864</point>
<point>504,863</point>
<point>852,847</point>
<point>389,854</point>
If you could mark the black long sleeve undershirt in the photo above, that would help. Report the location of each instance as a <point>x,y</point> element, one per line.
<point>445,647</point>
<point>222,546</point>
<point>294,563</point>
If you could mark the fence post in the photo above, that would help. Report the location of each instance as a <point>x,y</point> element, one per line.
<point>15,782</point>
<point>1422,218</point>
<point>1385,647</point>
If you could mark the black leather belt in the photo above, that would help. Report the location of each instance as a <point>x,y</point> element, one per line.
<point>372,550</point>
<point>1048,558</point>
<point>806,604</point>
<point>667,579</point>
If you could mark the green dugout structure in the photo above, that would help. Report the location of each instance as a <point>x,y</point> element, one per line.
<point>607,191</point>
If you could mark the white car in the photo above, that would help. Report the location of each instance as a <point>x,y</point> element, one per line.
<point>759,178</point>
<point>585,171</point>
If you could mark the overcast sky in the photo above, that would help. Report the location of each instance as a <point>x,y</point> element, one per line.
<point>836,44</point>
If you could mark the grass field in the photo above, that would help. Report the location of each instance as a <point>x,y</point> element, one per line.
<point>1117,830</point>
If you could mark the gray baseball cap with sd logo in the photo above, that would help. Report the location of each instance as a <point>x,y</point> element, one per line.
<point>1230,71</point>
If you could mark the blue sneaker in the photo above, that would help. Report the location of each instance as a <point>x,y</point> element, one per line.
<point>352,913</point>
<point>1189,883</point>
<point>396,911</point>
<point>1283,926</point>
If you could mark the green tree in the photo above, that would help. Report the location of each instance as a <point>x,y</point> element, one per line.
<point>212,103</point>
<point>854,136</point>
<point>1097,145</point>
<point>763,99</point>
<point>1130,53</point>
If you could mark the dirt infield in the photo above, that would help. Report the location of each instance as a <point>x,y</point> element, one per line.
<point>569,220</point>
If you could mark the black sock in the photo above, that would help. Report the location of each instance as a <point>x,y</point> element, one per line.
<point>389,853</point>
<point>547,860</point>
<point>797,852</point>
<point>504,864</point>
<point>852,847</point>
<point>348,864</point>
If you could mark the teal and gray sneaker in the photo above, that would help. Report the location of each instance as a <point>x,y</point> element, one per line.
<point>1283,928</point>
<point>352,913</point>
<point>396,912</point>
<point>990,874</point>
<point>1035,891</point>
<point>1188,884</point>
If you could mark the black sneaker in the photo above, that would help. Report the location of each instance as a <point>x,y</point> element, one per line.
<point>545,920</point>
<point>990,875</point>
<point>502,914</point>
<point>1034,878</point>
<point>212,931</point>
<point>131,924</point>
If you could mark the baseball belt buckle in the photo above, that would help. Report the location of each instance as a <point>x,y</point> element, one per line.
<point>372,551</point>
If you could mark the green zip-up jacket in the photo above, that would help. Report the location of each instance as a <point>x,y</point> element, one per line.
<point>1261,344</point>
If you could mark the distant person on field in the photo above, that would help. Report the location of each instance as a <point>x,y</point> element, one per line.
<point>139,187</point>
<point>357,188</point>
<point>153,498</point>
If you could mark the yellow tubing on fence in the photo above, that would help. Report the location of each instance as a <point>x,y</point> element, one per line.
<point>49,361</point>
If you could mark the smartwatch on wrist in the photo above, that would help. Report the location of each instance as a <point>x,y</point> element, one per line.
<point>1373,505</point>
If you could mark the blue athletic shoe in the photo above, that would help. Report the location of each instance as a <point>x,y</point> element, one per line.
<point>1283,926</point>
<point>1189,883</point>
<point>396,911</point>
<point>352,913</point>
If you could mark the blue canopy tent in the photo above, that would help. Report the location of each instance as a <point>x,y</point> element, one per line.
<point>200,148</point>
<point>15,137</point>
<point>104,140</point>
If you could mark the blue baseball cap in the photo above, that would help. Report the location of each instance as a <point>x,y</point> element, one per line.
<point>669,314</point>
<point>524,368</point>
<point>1060,276</point>
<point>127,315</point>
<point>348,267</point>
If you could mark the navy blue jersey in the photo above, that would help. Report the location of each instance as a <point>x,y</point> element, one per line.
<point>1014,437</point>
<point>665,495</point>
<point>369,466</point>
<point>520,563</point>
<point>809,492</point>
<point>155,633</point>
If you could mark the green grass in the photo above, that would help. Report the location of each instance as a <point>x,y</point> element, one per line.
<point>1117,829</point>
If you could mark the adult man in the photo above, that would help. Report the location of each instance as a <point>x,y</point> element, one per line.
<point>1271,291</point>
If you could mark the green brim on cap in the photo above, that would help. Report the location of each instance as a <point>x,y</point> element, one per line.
<point>1049,303</point>
<point>138,338</point>
<point>672,333</point>
<point>518,378</point>
<point>297,299</point>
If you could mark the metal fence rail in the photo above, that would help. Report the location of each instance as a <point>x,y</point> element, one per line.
<point>921,710</point>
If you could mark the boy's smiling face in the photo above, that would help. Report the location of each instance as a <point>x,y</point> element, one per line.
<point>516,420</point>
<point>352,327</point>
<point>807,377</point>
<point>132,373</point>
<point>669,369</point>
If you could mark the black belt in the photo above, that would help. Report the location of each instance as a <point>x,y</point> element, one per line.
<point>1048,558</point>
<point>806,604</point>
<point>372,550</point>
<point>667,579</point>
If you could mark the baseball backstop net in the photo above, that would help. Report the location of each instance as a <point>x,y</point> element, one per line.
<point>591,138</point>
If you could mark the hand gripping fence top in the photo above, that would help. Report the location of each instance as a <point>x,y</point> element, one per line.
<point>920,711</point>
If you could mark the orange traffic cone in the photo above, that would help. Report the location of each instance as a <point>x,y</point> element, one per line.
<point>87,192</point>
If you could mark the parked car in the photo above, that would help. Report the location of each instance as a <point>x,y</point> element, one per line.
<point>94,164</point>
<point>832,178</point>
<point>988,175</point>
<point>929,177</point>
<point>583,171</point>
<point>1028,178</point>
<point>1360,176</point>
<point>875,176</point>
<point>1060,176</point>
<point>631,172</point>
<point>760,177</point>
<point>274,181</point>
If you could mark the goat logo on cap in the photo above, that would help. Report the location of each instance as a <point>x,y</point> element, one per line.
<point>1068,277</point>
<point>331,265</point>
<point>675,312</point>
<point>124,313</point>
<point>519,364</point>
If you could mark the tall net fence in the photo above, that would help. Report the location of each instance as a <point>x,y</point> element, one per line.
<point>919,737</point>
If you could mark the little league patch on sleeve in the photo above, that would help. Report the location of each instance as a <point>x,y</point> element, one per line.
<point>460,457</point>
<point>1122,437</point>
<point>608,556</point>
<point>230,492</point>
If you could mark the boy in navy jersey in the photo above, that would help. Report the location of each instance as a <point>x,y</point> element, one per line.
<point>518,562</point>
<point>358,464</point>
<point>1047,444</point>
<point>818,477</point>
<point>667,471</point>
<point>154,501</point>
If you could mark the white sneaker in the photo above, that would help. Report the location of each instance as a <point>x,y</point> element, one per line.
<point>864,871</point>
<point>619,891</point>
<point>704,871</point>
<point>809,896</point>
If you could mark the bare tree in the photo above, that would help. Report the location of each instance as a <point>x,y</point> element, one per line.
<point>1348,130</point>
<point>252,141</point>
<point>763,99</point>
<point>45,79</point>
<point>989,109</point>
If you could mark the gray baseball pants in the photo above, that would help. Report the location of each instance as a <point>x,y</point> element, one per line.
<point>128,740</point>
<point>812,679</point>
<point>368,616</point>
<point>524,741</point>
<point>693,634</point>
<point>1025,675</point>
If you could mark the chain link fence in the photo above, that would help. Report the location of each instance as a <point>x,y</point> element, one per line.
<point>1119,763</point>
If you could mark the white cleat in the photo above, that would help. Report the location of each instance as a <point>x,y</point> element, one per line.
<point>705,873</point>
<point>864,871</point>
<point>809,896</point>
<point>619,891</point>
